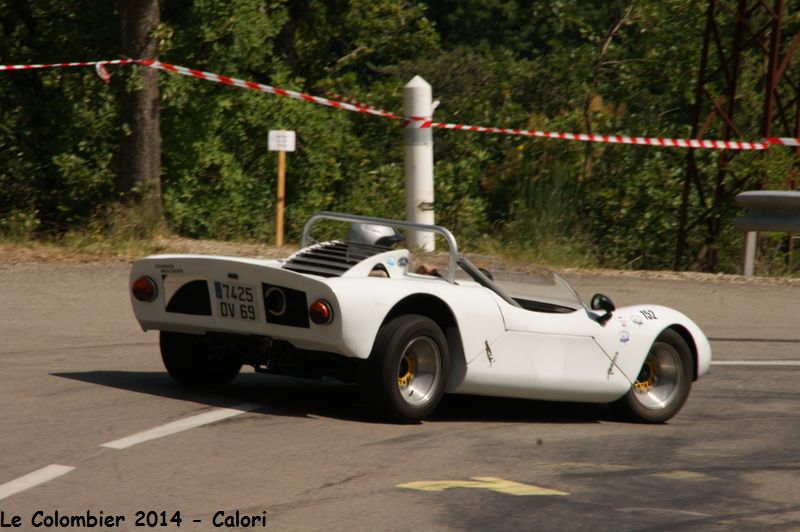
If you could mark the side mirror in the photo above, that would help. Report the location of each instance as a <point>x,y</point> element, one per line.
<point>603,302</point>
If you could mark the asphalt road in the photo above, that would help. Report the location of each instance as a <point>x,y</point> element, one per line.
<point>77,377</point>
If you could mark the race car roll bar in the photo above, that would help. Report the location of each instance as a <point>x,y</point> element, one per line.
<point>353,218</point>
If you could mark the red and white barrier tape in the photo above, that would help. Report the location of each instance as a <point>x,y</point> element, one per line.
<point>783,141</point>
<point>100,66</point>
<point>418,122</point>
<point>611,139</point>
<point>66,65</point>
<point>353,101</point>
<point>225,80</point>
<point>209,76</point>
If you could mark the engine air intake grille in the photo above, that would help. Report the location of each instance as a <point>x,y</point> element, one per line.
<point>331,259</point>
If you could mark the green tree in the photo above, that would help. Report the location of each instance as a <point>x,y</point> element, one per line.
<point>57,127</point>
<point>140,140</point>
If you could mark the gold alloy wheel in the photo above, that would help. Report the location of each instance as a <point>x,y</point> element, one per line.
<point>658,380</point>
<point>419,371</point>
<point>647,377</point>
<point>406,372</point>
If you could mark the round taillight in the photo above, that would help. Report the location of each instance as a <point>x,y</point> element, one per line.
<point>320,312</point>
<point>144,289</point>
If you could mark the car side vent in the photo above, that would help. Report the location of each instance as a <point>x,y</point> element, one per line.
<point>331,259</point>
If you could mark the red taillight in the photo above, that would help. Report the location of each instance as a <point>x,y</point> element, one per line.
<point>144,289</point>
<point>320,312</point>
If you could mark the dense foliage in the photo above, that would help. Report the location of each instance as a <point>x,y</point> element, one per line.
<point>611,66</point>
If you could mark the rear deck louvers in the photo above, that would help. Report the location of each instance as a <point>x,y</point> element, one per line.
<point>331,259</point>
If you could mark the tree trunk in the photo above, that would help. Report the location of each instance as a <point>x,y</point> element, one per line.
<point>138,177</point>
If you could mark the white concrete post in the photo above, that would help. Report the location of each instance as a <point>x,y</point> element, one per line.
<point>750,241</point>
<point>418,161</point>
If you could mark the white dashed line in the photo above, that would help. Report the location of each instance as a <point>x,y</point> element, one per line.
<point>773,363</point>
<point>40,476</point>
<point>663,511</point>
<point>180,426</point>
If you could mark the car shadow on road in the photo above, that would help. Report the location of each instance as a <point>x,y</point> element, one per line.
<point>467,408</point>
<point>275,395</point>
<point>293,397</point>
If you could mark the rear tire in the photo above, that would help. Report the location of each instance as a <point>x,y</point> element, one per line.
<point>190,362</point>
<point>406,373</point>
<point>663,384</point>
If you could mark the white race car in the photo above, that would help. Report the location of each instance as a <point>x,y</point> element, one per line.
<point>352,309</point>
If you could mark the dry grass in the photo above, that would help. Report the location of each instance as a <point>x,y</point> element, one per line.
<point>84,251</point>
<point>33,251</point>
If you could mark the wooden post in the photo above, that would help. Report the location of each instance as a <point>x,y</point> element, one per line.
<point>281,198</point>
<point>280,141</point>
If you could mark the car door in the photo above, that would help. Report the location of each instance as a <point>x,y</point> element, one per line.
<point>546,355</point>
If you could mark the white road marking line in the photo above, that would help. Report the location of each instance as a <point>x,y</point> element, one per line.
<point>40,476</point>
<point>647,511</point>
<point>180,426</point>
<point>681,475</point>
<point>589,467</point>
<point>775,363</point>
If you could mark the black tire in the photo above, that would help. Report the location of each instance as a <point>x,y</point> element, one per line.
<point>405,376</point>
<point>663,384</point>
<point>189,362</point>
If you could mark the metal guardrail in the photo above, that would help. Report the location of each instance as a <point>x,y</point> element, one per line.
<point>397,224</point>
<point>769,210</point>
<point>766,210</point>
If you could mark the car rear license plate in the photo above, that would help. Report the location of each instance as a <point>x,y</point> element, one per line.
<point>236,301</point>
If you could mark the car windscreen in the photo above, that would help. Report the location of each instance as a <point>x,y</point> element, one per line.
<point>549,287</point>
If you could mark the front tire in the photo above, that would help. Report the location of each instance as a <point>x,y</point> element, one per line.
<point>663,384</point>
<point>406,373</point>
<point>190,361</point>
